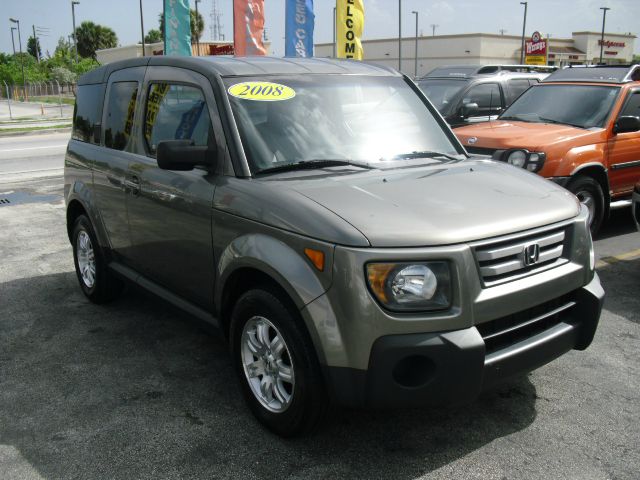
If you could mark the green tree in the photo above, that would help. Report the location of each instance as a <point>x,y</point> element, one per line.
<point>197,25</point>
<point>32,45</point>
<point>62,75</point>
<point>92,37</point>
<point>153,36</point>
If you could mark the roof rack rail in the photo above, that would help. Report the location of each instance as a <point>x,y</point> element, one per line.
<point>463,71</point>
<point>596,73</point>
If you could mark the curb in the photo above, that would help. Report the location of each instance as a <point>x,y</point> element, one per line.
<point>43,131</point>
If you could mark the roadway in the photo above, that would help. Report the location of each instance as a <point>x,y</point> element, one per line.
<point>137,389</point>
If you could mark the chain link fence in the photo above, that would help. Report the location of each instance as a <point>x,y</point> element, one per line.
<point>45,99</point>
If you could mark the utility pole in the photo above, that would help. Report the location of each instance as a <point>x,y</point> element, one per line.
<point>399,34</point>
<point>24,80</point>
<point>196,30</point>
<point>524,27</point>
<point>73,16</point>
<point>142,29</point>
<point>35,40</point>
<point>415,67</point>
<point>604,19</point>
<point>433,29</point>
<point>502,31</point>
<point>13,42</point>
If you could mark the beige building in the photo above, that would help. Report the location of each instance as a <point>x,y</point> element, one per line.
<point>109,55</point>
<point>486,48</point>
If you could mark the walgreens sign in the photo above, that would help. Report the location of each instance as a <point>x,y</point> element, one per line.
<point>536,46</point>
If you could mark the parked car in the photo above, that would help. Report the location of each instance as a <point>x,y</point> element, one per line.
<point>323,216</point>
<point>467,94</point>
<point>580,128</point>
<point>636,205</point>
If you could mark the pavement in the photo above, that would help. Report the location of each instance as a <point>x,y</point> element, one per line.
<point>33,110</point>
<point>138,389</point>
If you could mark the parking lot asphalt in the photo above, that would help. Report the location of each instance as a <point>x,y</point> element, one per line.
<point>137,389</point>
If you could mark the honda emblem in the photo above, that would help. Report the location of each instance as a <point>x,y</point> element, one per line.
<point>531,254</point>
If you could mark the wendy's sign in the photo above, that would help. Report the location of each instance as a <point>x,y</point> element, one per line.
<point>536,50</point>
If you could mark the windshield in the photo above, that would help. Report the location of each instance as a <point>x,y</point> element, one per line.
<point>583,106</point>
<point>355,119</point>
<point>441,92</point>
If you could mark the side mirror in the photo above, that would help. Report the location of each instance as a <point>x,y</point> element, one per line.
<point>183,155</point>
<point>626,124</point>
<point>470,109</point>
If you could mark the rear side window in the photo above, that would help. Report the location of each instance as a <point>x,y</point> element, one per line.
<point>175,112</point>
<point>518,86</point>
<point>485,95</point>
<point>632,107</point>
<point>87,112</point>
<point>120,110</point>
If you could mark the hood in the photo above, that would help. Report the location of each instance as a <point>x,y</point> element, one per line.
<point>532,136</point>
<point>439,205</point>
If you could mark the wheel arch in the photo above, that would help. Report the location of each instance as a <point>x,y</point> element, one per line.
<point>599,174</point>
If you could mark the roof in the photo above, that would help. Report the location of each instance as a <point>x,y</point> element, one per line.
<point>481,71</point>
<point>597,74</point>
<point>570,50</point>
<point>235,66</point>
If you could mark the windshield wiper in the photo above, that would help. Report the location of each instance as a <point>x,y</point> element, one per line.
<point>311,164</point>
<point>551,120</point>
<point>426,154</point>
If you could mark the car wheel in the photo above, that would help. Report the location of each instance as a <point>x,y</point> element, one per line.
<point>276,364</point>
<point>96,281</point>
<point>589,192</point>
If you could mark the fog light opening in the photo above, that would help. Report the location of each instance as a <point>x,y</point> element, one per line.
<point>414,371</point>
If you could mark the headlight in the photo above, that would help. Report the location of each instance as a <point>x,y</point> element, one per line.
<point>532,161</point>
<point>411,286</point>
<point>517,158</point>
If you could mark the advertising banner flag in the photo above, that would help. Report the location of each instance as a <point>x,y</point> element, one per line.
<point>177,27</point>
<point>299,28</point>
<point>248,27</point>
<point>350,24</point>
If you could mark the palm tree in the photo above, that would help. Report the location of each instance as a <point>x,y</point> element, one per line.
<point>92,37</point>
<point>197,25</point>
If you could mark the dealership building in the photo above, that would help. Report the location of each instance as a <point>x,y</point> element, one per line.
<point>583,48</point>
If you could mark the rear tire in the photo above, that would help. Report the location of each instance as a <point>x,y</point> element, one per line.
<point>589,192</point>
<point>276,364</point>
<point>96,281</point>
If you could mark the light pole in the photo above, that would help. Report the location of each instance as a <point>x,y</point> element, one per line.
<point>13,42</point>
<point>335,48</point>
<point>415,67</point>
<point>433,29</point>
<point>73,17</point>
<point>399,34</point>
<point>24,81</point>
<point>197,33</point>
<point>142,29</point>
<point>604,18</point>
<point>524,27</point>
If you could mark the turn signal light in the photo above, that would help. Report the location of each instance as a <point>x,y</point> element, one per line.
<point>316,257</point>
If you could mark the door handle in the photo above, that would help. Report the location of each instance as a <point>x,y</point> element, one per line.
<point>133,185</point>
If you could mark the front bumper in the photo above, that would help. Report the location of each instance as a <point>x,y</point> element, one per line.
<point>453,367</point>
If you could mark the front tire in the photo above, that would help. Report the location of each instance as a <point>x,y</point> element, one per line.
<point>96,281</point>
<point>589,192</point>
<point>276,364</point>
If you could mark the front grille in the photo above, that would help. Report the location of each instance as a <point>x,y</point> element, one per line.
<point>504,332</point>
<point>505,260</point>
<point>480,150</point>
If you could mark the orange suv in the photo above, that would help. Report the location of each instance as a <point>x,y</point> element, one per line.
<point>580,127</point>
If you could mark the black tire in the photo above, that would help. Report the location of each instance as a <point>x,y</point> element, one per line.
<point>105,286</point>
<point>586,189</point>
<point>309,400</point>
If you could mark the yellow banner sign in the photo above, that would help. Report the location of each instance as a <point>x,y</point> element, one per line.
<point>535,60</point>
<point>349,27</point>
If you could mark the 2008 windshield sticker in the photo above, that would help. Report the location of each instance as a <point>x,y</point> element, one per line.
<point>261,91</point>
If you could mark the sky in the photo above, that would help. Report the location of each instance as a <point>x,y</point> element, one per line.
<point>557,17</point>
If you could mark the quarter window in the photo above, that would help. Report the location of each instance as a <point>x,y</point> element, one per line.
<point>87,112</point>
<point>176,112</point>
<point>120,110</point>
